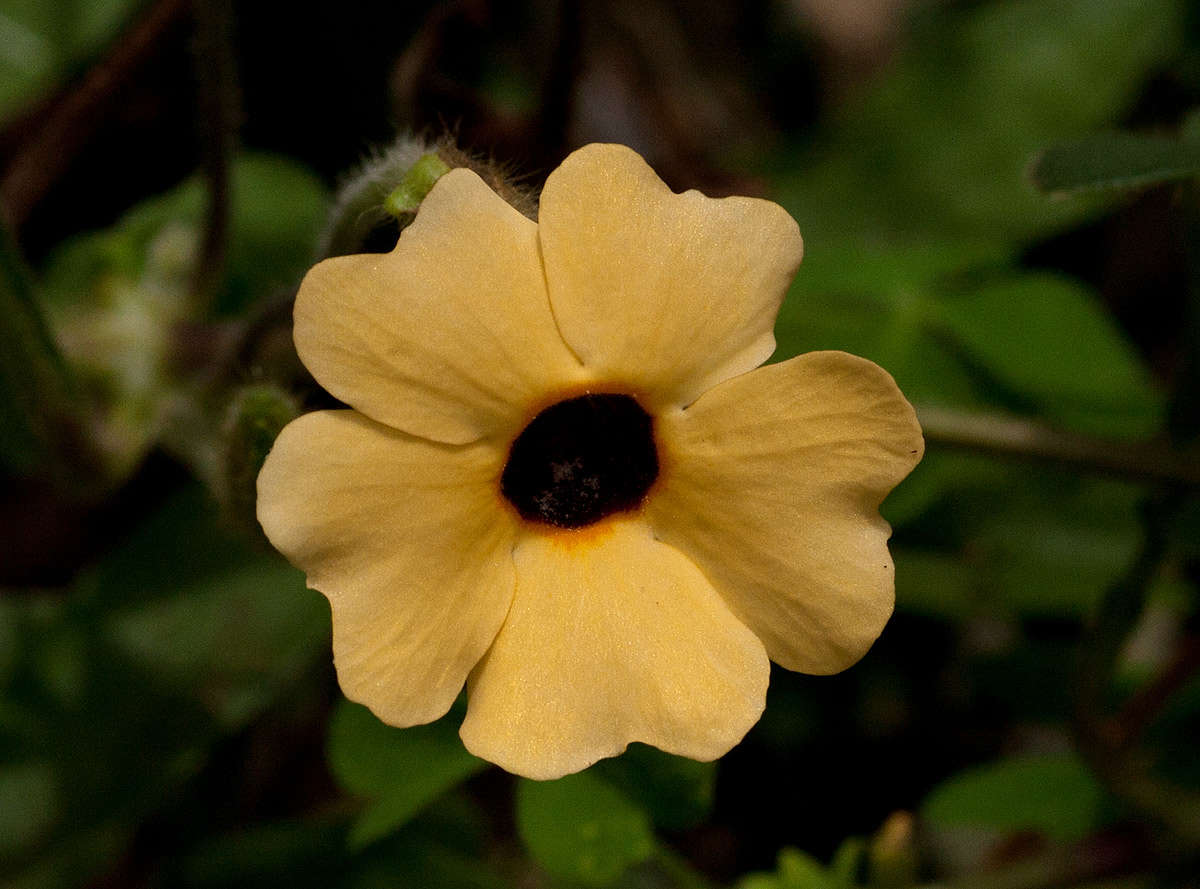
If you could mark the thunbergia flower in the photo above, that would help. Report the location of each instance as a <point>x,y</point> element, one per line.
<point>562,482</point>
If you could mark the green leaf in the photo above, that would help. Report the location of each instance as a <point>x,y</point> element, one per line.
<point>110,749</point>
<point>879,303</point>
<point>939,475</point>
<point>847,863</point>
<point>399,770</point>
<point>234,639</point>
<point>78,860</point>
<point>933,583</point>
<point>30,58</point>
<point>1049,340</point>
<point>209,616</point>
<point>581,828</point>
<point>1049,546</point>
<point>676,792</point>
<point>1022,541</point>
<point>11,643</point>
<point>1053,794</point>
<point>1112,161</point>
<point>278,208</point>
<point>1049,566</point>
<point>892,269</point>
<point>181,545</point>
<point>794,870</point>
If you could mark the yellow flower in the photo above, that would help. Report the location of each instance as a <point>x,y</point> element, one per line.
<point>562,482</point>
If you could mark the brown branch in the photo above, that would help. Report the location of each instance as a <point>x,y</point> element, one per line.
<point>218,122</point>
<point>1014,437</point>
<point>1122,768</point>
<point>71,121</point>
<point>1142,708</point>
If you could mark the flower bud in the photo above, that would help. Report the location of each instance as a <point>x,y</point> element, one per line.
<point>892,856</point>
<point>256,415</point>
<point>382,196</point>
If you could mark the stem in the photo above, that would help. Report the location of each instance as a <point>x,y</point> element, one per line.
<point>1183,419</point>
<point>71,121</point>
<point>218,100</point>
<point>1118,613</point>
<point>39,434</point>
<point>1102,743</point>
<point>1019,438</point>
<point>1054,870</point>
<point>1105,742</point>
<point>557,88</point>
<point>1140,710</point>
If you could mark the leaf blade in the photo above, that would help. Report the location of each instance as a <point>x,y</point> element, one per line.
<point>1112,161</point>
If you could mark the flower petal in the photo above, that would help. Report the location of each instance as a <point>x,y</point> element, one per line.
<point>667,293</point>
<point>450,335</point>
<point>772,485</point>
<point>613,637</point>
<point>406,540</point>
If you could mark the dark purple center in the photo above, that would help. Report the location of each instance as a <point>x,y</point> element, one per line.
<point>580,460</point>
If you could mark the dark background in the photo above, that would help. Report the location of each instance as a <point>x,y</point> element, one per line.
<point>167,691</point>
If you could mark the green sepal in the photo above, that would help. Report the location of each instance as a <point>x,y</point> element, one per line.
<point>406,197</point>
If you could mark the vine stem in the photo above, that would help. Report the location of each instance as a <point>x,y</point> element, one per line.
<point>219,107</point>
<point>1140,710</point>
<point>1104,743</point>
<point>1007,436</point>
<point>70,122</point>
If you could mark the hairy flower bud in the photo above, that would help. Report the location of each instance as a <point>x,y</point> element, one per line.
<point>382,196</point>
<point>256,415</point>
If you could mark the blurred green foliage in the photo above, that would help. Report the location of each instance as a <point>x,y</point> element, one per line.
<point>581,828</point>
<point>116,297</point>
<point>1054,795</point>
<point>936,150</point>
<point>34,387</point>
<point>144,705</point>
<point>116,694</point>
<point>399,770</point>
<point>278,209</point>
<point>798,870</point>
<point>42,43</point>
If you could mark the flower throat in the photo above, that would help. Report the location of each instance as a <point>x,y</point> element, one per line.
<point>581,460</point>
